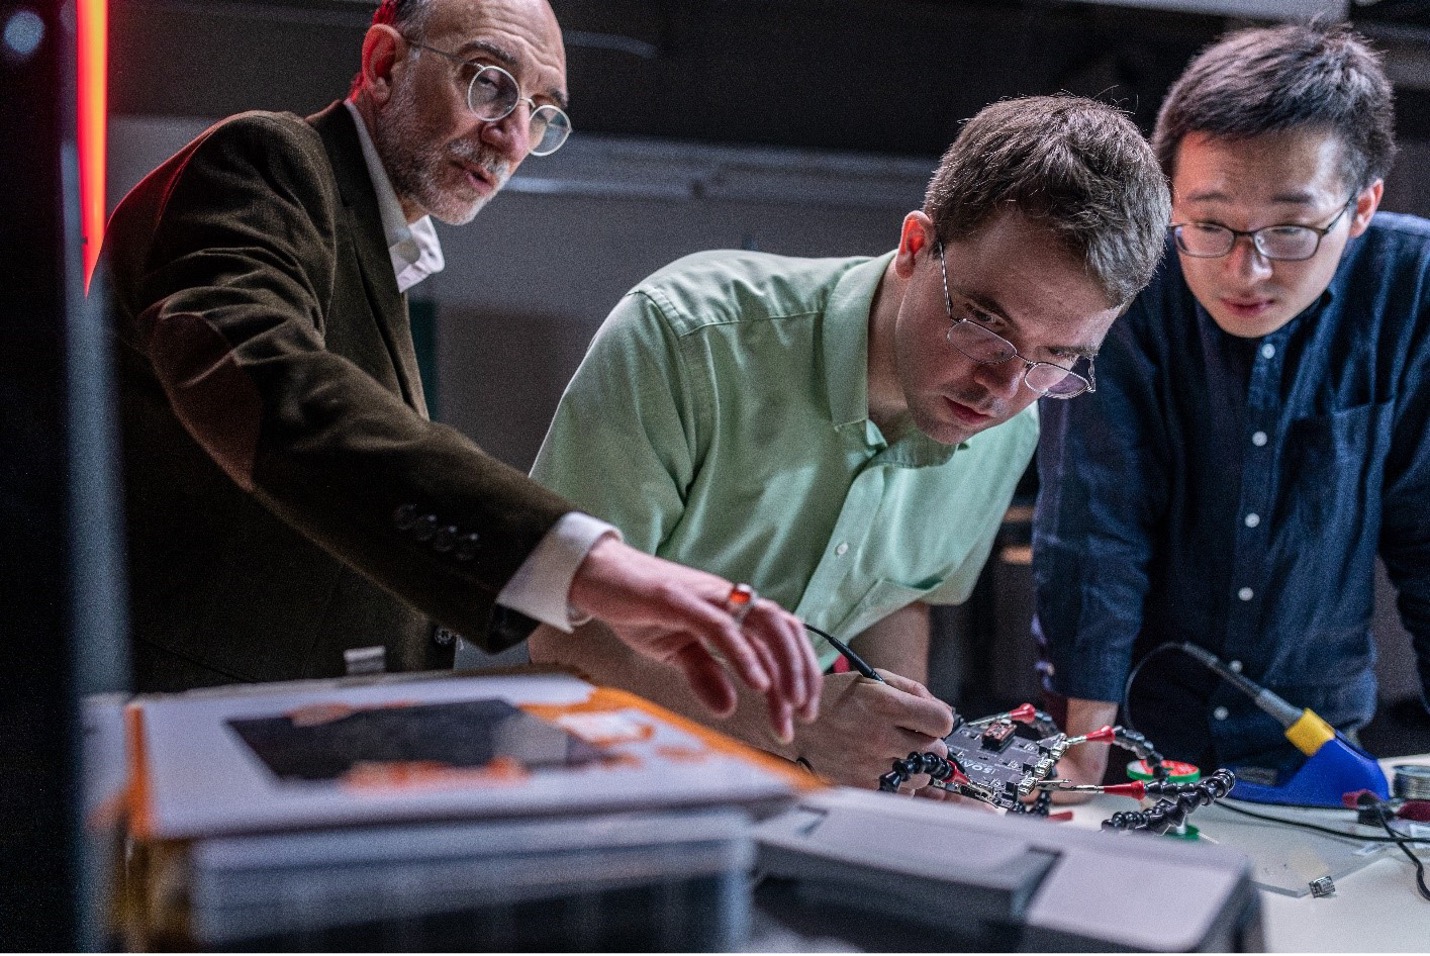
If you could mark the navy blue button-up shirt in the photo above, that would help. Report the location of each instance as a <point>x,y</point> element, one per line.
<point>1234,493</point>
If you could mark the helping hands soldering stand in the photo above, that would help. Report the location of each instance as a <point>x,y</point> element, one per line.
<point>988,761</point>
<point>1334,766</point>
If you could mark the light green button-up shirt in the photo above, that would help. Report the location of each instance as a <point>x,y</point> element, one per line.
<point>721,419</point>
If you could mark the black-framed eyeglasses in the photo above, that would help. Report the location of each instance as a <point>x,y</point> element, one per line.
<point>1285,243</point>
<point>989,348</point>
<point>492,95</point>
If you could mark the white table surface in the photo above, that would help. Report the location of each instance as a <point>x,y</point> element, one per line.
<point>1375,909</point>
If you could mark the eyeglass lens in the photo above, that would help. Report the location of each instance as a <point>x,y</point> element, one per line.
<point>494,93</point>
<point>1273,242</point>
<point>989,348</point>
<point>1289,242</point>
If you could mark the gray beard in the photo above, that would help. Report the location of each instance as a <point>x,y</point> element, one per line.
<point>415,171</point>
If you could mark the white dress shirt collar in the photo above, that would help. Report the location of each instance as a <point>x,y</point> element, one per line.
<point>416,252</point>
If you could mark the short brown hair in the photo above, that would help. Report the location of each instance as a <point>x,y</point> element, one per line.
<point>1272,79</point>
<point>1076,165</point>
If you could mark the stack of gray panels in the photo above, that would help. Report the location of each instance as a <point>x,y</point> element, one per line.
<point>648,881</point>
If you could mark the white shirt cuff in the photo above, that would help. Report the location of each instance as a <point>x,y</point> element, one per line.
<point>541,586</point>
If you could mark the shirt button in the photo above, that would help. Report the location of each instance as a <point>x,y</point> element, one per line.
<point>1268,350</point>
<point>1245,594</point>
<point>1221,713</point>
<point>445,539</point>
<point>405,517</point>
<point>842,548</point>
<point>1258,439</point>
<point>467,546</point>
<point>1234,665</point>
<point>1252,520</point>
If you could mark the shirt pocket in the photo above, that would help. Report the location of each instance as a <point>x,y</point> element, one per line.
<point>1321,659</point>
<point>1333,471</point>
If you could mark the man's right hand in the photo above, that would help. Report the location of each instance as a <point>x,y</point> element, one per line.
<point>864,726</point>
<point>675,614</point>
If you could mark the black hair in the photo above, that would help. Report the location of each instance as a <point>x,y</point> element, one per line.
<point>1272,79</point>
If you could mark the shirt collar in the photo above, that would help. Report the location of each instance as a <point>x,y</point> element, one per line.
<point>415,249</point>
<point>846,363</point>
<point>846,341</point>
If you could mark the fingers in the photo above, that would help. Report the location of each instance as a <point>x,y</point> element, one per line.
<point>921,713</point>
<point>751,660</point>
<point>1084,764</point>
<point>670,612</point>
<point>706,678</point>
<point>778,674</point>
<point>781,716</point>
<point>773,638</point>
<point>909,686</point>
<point>793,664</point>
<point>908,742</point>
<point>864,726</point>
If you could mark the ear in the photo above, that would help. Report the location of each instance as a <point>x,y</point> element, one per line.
<point>383,50</point>
<point>915,237</point>
<point>1366,204</point>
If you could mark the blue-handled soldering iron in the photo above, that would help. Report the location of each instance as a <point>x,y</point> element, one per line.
<point>1334,766</point>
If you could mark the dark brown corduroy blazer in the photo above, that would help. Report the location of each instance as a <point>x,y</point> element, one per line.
<point>286,496</point>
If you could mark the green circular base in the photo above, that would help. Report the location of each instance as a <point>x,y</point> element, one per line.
<point>1188,832</point>
<point>1178,772</point>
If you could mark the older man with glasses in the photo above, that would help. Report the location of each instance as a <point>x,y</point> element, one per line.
<point>287,497</point>
<point>1261,428</point>
<point>844,435</point>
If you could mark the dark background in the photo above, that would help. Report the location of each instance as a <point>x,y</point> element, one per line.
<point>883,76</point>
<point>880,78</point>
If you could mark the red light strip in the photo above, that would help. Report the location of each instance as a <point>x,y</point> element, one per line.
<point>92,26</point>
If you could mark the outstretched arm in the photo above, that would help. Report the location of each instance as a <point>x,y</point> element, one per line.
<point>674,616</point>
<point>861,727</point>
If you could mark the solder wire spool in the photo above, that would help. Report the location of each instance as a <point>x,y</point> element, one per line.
<point>1412,781</point>
<point>1177,772</point>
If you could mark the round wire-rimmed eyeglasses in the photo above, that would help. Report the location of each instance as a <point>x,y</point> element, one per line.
<point>987,347</point>
<point>492,95</point>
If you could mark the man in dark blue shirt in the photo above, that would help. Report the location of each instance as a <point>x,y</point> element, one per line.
<point>1261,426</point>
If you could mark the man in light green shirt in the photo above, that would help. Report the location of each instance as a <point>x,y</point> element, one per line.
<point>845,434</point>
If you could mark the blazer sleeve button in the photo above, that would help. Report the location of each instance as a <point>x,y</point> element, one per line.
<point>405,517</point>
<point>445,539</point>
<point>425,528</point>
<point>467,546</point>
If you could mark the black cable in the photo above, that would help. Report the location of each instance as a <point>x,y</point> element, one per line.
<point>855,661</point>
<point>1394,838</point>
<point>1132,676</point>
<point>1401,842</point>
